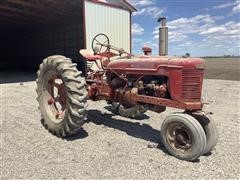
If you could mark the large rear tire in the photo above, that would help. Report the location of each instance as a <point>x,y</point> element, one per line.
<point>62,96</point>
<point>183,136</point>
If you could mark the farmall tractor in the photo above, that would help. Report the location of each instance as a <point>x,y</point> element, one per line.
<point>133,85</point>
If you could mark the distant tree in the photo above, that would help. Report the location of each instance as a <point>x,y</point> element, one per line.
<point>227,56</point>
<point>187,55</point>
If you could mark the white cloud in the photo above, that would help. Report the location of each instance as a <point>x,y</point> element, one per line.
<point>179,29</point>
<point>145,3</point>
<point>156,30</point>
<point>176,36</point>
<point>137,40</point>
<point>218,29</point>
<point>141,2</point>
<point>229,28</point>
<point>141,12</point>
<point>147,8</point>
<point>215,36</point>
<point>137,29</point>
<point>222,38</point>
<point>152,11</point>
<point>193,24</point>
<point>236,9</point>
<point>186,44</point>
<point>150,44</point>
<point>173,36</point>
<point>204,31</point>
<point>199,24</point>
<point>225,5</point>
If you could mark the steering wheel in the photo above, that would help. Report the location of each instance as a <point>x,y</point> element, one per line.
<point>100,43</point>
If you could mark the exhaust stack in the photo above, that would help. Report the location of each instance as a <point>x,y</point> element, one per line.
<point>163,37</point>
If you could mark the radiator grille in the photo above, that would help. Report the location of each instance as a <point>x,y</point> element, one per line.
<point>192,85</point>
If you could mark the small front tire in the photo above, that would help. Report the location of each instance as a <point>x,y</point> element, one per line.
<point>210,131</point>
<point>183,136</point>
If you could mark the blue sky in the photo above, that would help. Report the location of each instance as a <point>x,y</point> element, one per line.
<point>200,27</point>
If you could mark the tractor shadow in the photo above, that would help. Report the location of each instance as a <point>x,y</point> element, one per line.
<point>80,135</point>
<point>134,129</point>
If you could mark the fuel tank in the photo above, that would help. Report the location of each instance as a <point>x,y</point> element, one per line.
<point>152,63</point>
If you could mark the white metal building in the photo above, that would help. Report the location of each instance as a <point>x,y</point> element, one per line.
<point>33,30</point>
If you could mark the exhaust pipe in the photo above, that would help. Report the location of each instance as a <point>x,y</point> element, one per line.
<point>163,37</point>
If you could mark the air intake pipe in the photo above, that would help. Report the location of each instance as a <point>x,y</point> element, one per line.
<point>163,37</point>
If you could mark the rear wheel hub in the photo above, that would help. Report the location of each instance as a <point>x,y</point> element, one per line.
<point>56,96</point>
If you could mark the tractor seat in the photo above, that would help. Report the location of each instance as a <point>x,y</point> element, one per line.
<point>89,55</point>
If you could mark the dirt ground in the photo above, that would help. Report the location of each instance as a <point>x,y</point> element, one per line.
<point>223,68</point>
<point>110,146</point>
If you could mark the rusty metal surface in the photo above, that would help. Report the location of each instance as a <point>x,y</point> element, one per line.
<point>154,63</point>
<point>171,82</point>
<point>179,137</point>
<point>184,86</point>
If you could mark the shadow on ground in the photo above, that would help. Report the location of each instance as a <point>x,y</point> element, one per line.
<point>135,129</point>
<point>142,117</point>
<point>80,135</point>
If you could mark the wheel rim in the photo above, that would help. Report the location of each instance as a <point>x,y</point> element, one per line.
<point>55,96</point>
<point>179,137</point>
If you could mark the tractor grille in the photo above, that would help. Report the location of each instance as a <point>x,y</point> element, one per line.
<point>192,85</point>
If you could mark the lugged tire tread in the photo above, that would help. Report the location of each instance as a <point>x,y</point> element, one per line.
<point>76,110</point>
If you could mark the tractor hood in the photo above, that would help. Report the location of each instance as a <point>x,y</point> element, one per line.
<point>154,63</point>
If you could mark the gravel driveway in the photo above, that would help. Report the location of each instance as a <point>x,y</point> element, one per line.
<point>111,146</point>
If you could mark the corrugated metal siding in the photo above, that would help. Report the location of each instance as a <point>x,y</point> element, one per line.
<point>113,22</point>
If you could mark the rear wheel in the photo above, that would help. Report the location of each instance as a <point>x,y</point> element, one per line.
<point>183,136</point>
<point>61,96</point>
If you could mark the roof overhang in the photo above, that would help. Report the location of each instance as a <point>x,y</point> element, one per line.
<point>131,7</point>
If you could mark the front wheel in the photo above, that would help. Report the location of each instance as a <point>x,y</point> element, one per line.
<point>61,95</point>
<point>210,130</point>
<point>183,136</point>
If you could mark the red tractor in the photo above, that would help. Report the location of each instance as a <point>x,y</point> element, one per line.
<point>133,85</point>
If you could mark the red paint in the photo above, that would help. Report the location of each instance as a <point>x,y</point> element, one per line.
<point>59,97</point>
<point>166,81</point>
<point>173,68</point>
<point>184,85</point>
<point>91,57</point>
